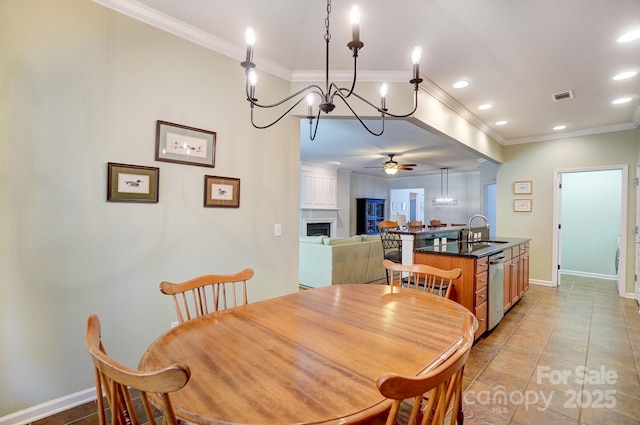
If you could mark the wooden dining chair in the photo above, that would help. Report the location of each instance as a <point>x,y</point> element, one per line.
<point>415,226</point>
<point>433,393</point>
<point>208,293</point>
<point>434,224</point>
<point>118,381</point>
<point>422,276</point>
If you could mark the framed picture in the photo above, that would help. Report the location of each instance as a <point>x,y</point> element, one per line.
<point>221,192</point>
<point>132,183</point>
<point>185,145</point>
<point>523,187</point>
<point>394,206</point>
<point>522,205</point>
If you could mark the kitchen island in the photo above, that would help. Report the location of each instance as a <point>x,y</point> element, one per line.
<point>473,289</point>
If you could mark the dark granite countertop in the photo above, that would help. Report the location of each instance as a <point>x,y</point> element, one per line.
<point>475,249</point>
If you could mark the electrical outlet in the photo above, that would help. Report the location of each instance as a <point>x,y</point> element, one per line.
<point>277,229</point>
<point>174,324</point>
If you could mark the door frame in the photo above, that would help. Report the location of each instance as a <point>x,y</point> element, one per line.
<point>557,198</point>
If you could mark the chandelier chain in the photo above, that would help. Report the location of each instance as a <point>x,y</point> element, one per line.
<point>327,35</point>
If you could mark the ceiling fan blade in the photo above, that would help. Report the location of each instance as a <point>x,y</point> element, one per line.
<point>404,167</point>
<point>409,165</point>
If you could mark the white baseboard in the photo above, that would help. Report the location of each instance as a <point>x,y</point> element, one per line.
<point>49,408</point>
<point>540,282</point>
<point>586,274</point>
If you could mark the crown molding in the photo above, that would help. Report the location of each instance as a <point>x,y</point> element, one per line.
<point>578,133</point>
<point>143,13</point>
<point>434,90</point>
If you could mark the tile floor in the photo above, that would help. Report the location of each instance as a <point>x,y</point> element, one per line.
<point>567,355</point>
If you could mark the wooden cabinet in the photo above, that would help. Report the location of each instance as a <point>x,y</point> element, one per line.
<point>480,308</point>
<point>506,289</point>
<point>471,289</point>
<point>369,211</point>
<point>524,267</point>
<point>516,274</point>
<point>515,258</point>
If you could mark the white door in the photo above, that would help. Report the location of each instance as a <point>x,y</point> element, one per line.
<point>637,235</point>
<point>558,227</point>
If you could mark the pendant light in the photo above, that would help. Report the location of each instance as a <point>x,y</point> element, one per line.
<point>444,198</point>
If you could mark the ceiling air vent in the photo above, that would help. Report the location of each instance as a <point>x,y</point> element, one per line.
<point>565,95</point>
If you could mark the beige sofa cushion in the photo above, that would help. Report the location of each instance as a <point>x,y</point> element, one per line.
<point>313,239</point>
<point>342,241</point>
<point>340,260</point>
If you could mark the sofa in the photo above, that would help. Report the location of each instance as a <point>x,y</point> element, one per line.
<point>332,261</point>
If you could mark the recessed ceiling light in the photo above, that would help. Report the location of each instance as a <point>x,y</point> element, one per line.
<point>621,100</point>
<point>630,36</point>
<point>335,162</point>
<point>559,127</point>
<point>485,106</point>
<point>503,122</point>
<point>625,75</point>
<point>460,84</point>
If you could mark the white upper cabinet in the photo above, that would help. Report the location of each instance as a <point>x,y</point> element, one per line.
<point>318,190</point>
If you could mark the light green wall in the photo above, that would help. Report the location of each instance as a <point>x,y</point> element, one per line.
<point>538,162</point>
<point>81,86</point>
<point>464,186</point>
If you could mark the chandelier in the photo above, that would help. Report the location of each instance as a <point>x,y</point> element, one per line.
<point>444,198</point>
<point>331,91</point>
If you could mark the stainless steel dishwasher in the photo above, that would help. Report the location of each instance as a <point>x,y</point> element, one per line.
<point>496,289</point>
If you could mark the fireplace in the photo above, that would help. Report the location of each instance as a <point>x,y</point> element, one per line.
<point>319,226</point>
<point>318,229</point>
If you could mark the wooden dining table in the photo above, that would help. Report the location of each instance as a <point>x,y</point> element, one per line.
<point>309,357</point>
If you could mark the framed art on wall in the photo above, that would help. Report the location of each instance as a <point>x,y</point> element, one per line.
<point>522,205</point>
<point>185,145</point>
<point>523,187</point>
<point>132,183</point>
<point>221,192</point>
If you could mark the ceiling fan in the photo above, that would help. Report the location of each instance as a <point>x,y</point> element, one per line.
<point>392,166</point>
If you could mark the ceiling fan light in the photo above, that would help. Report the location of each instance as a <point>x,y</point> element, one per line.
<point>391,170</point>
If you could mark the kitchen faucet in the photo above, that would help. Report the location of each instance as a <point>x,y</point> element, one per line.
<point>486,223</point>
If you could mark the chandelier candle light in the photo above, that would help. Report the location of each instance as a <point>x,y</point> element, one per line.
<point>331,90</point>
